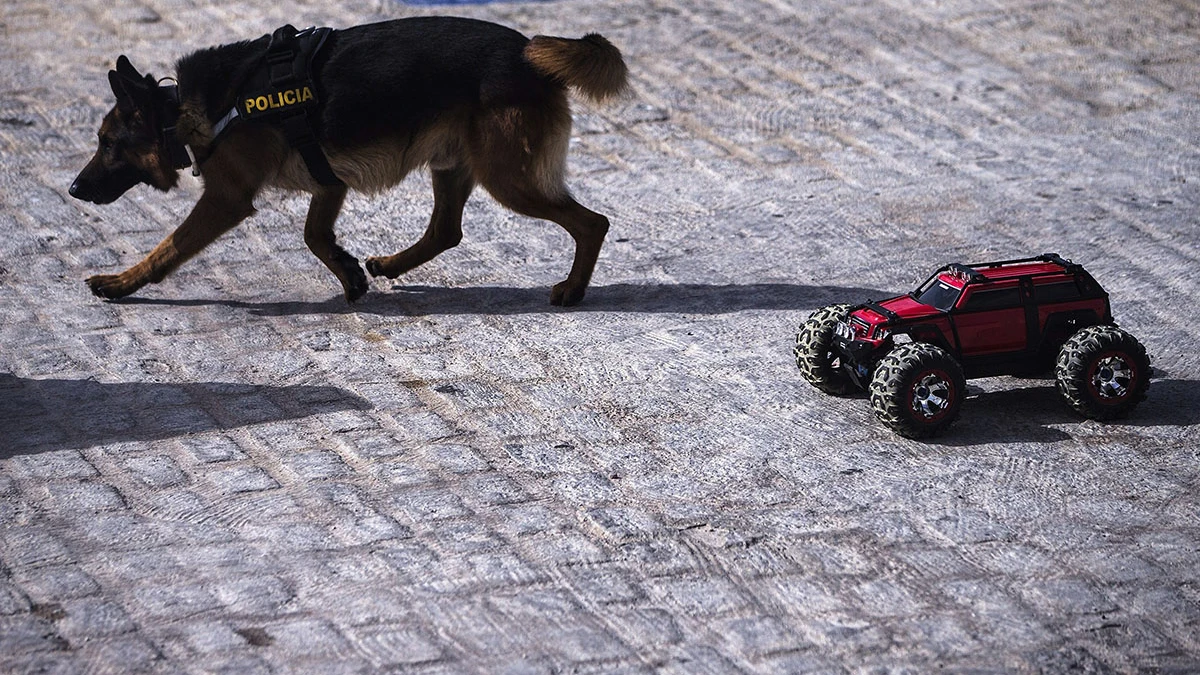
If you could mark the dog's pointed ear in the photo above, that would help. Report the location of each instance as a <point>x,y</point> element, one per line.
<point>118,88</point>
<point>121,89</point>
<point>124,67</point>
<point>133,90</point>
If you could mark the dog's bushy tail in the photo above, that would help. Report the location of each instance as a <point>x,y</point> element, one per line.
<point>591,64</point>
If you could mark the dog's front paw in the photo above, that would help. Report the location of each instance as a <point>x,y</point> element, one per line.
<point>109,286</point>
<point>357,285</point>
<point>565,294</point>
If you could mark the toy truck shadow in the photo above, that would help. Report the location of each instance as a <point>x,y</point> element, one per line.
<point>1032,412</point>
<point>913,353</point>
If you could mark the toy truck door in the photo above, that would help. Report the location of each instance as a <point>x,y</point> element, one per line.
<point>991,320</point>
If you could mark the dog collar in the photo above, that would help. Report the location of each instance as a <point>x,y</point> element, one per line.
<point>179,154</point>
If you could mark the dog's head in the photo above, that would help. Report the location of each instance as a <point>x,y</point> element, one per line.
<point>131,143</point>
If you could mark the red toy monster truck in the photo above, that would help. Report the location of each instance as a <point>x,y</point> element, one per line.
<point>913,353</point>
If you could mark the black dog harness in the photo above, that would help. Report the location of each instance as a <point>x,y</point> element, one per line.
<point>280,91</point>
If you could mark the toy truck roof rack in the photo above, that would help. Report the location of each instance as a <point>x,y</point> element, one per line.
<point>972,273</point>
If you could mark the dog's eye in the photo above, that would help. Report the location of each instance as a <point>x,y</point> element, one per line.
<point>106,144</point>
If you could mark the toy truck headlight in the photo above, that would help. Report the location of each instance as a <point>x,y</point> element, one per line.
<point>843,330</point>
<point>880,332</point>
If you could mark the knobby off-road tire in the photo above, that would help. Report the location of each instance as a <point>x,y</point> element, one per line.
<point>1102,372</point>
<point>917,390</point>
<point>817,362</point>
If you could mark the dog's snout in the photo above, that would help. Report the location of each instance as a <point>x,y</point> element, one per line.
<point>83,190</point>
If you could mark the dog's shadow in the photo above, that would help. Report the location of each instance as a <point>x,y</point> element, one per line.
<point>401,300</point>
<point>41,415</point>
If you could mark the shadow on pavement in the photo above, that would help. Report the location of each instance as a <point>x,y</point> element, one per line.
<point>45,415</point>
<point>669,298</point>
<point>1026,415</point>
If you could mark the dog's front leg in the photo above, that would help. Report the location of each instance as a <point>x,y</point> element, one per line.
<point>217,212</point>
<point>319,235</point>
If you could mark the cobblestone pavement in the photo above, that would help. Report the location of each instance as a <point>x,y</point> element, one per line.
<point>234,471</point>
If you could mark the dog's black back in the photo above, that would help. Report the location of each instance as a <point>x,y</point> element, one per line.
<point>389,77</point>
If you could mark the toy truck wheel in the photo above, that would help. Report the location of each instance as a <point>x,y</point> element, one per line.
<point>1102,372</point>
<point>917,390</point>
<point>814,356</point>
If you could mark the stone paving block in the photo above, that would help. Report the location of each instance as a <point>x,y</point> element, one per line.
<point>239,479</point>
<point>562,547</point>
<point>32,547</point>
<point>49,584</point>
<point>759,636</point>
<point>388,646</point>
<point>264,596</point>
<point>365,529</point>
<point>410,559</point>
<point>1067,597</point>
<point>604,584</point>
<point>702,660</point>
<point>514,520</point>
<point>135,654</point>
<point>83,619</point>
<point>289,537</point>
<point>455,458</point>
<point>493,489</point>
<point>158,471</point>
<point>707,597</point>
<point>209,639</point>
<point>237,663</point>
<point>316,464</point>
<point>24,634</point>
<point>63,465</point>
<point>1113,567</point>
<point>12,600</point>
<point>305,638</point>
<point>85,496</point>
<point>427,505</point>
<point>463,536</point>
<point>376,446</point>
<point>212,449</point>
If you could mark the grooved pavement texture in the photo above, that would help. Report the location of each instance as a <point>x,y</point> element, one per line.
<point>235,472</point>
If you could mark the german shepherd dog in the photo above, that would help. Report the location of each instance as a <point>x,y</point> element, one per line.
<point>478,103</point>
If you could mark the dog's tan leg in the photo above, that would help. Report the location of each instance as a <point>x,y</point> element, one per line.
<point>519,155</point>
<point>586,227</point>
<point>319,235</point>
<point>217,212</point>
<point>451,188</point>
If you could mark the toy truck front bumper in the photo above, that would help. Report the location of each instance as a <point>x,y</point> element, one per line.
<point>857,356</point>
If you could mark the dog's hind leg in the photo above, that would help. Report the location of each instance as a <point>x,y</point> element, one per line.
<point>585,226</point>
<point>319,236</point>
<point>451,188</point>
<point>520,157</point>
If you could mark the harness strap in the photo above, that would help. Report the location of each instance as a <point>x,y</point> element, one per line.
<point>285,70</point>
<point>289,100</point>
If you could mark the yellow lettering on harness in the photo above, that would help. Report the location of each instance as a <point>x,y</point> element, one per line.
<point>277,99</point>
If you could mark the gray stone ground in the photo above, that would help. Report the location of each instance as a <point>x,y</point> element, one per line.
<point>233,471</point>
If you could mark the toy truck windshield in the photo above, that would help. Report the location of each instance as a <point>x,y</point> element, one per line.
<point>939,293</point>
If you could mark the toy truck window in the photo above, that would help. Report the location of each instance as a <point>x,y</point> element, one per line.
<point>1059,292</point>
<point>937,293</point>
<point>1003,298</point>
